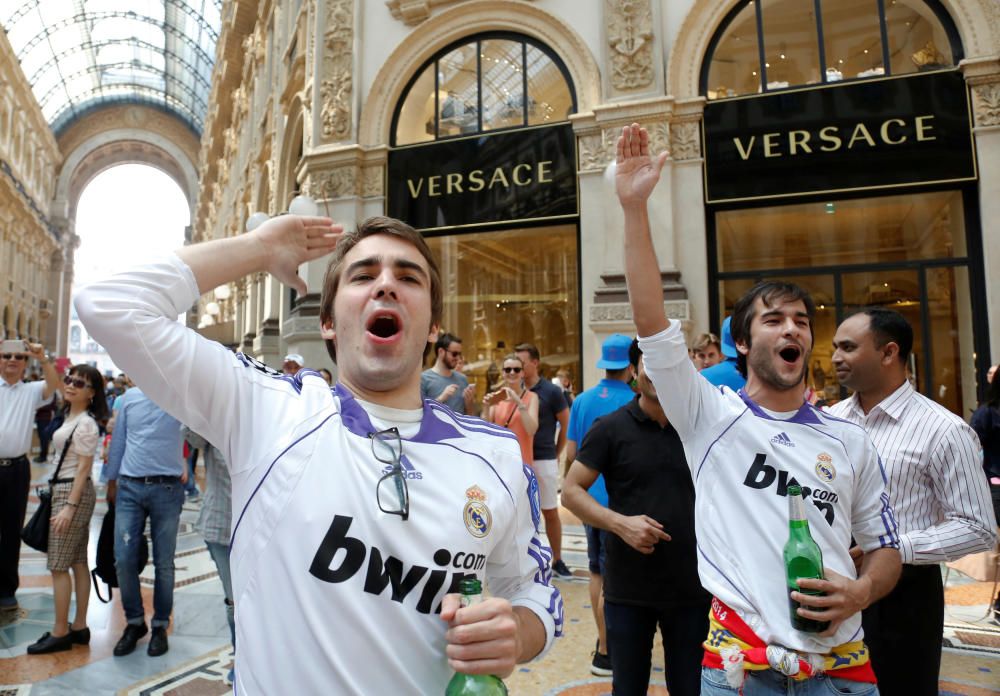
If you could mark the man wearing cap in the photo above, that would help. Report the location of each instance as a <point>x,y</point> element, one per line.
<point>18,403</point>
<point>293,363</point>
<point>726,374</point>
<point>606,396</point>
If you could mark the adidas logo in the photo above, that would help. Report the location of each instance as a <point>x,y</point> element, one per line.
<point>782,439</point>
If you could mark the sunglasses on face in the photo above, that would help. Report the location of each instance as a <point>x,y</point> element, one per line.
<point>14,356</point>
<point>515,370</point>
<point>76,382</point>
<point>454,353</point>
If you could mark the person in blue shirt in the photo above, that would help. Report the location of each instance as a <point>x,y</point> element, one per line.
<point>146,473</point>
<point>726,374</point>
<point>606,396</point>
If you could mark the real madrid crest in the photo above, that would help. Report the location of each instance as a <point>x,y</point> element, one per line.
<point>478,518</point>
<point>824,467</point>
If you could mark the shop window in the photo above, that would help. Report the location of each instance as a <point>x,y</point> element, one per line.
<point>509,287</point>
<point>769,45</point>
<point>486,83</point>
<point>906,252</point>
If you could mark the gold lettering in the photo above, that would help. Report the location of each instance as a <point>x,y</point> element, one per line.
<point>796,139</point>
<point>769,145</point>
<point>829,135</point>
<point>545,172</point>
<point>433,184</point>
<point>860,133</point>
<point>516,179</point>
<point>454,181</point>
<point>476,180</point>
<point>744,151</point>
<point>884,132</point>
<point>414,192</point>
<point>498,175</point>
<point>922,129</point>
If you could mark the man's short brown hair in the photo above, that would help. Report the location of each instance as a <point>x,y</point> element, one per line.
<point>528,348</point>
<point>368,228</point>
<point>704,341</point>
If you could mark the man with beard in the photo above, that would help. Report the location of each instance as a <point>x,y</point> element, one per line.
<point>651,570</point>
<point>357,510</point>
<point>744,449</point>
<point>936,487</point>
<point>443,382</point>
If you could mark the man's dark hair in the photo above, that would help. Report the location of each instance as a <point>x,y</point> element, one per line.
<point>444,342</point>
<point>889,326</point>
<point>634,353</point>
<point>528,348</point>
<point>769,292</point>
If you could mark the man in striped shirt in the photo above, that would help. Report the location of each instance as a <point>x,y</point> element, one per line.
<point>935,484</point>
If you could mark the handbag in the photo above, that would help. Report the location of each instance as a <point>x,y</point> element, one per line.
<point>105,569</point>
<point>36,533</point>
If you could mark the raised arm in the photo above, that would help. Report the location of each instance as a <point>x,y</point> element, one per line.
<point>636,175</point>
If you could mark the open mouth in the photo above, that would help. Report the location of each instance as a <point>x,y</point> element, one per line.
<point>383,325</point>
<point>790,354</point>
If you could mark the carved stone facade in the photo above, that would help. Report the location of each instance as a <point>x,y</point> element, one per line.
<point>336,86</point>
<point>630,39</point>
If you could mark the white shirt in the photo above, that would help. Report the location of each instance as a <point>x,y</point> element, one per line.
<point>18,403</point>
<point>742,460</point>
<point>333,595</point>
<point>936,482</point>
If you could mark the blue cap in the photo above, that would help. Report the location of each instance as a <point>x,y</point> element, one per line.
<point>614,352</point>
<point>728,345</point>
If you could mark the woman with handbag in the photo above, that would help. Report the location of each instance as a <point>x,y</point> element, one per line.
<point>514,406</point>
<point>73,501</point>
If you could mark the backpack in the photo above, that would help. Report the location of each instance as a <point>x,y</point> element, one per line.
<point>105,569</point>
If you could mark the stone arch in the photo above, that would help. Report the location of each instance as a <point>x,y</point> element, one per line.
<point>292,149</point>
<point>470,18</point>
<point>978,23</point>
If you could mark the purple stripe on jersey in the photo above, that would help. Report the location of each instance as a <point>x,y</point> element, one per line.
<point>474,425</point>
<point>232,539</point>
<point>724,431</point>
<point>804,415</point>
<point>484,461</point>
<point>726,577</point>
<point>294,380</point>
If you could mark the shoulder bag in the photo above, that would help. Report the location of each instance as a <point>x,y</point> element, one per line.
<point>36,533</point>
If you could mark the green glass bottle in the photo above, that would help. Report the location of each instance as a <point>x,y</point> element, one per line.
<point>803,559</point>
<point>474,684</point>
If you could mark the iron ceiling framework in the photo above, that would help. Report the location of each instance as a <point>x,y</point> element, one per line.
<point>79,55</point>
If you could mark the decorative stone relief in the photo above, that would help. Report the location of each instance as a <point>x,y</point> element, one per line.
<point>685,143</point>
<point>986,104</point>
<point>372,182</point>
<point>622,312</point>
<point>336,183</point>
<point>592,152</point>
<point>659,137</point>
<point>337,84</point>
<point>630,37</point>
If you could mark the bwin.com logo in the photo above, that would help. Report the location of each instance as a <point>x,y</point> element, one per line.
<point>782,439</point>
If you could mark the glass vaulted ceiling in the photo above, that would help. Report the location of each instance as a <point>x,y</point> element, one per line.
<point>82,54</point>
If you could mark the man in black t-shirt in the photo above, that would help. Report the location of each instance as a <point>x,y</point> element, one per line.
<point>552,410</point>
<point>651,569</point>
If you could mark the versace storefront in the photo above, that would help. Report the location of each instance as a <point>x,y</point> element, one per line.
<point>850,145</point>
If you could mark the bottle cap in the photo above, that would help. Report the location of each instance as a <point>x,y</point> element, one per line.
<point>794,490</point>
<point>470,586</point>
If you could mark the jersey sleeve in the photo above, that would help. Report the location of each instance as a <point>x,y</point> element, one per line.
<point>197,381</point>
<point>693,402</point>
<point>872,518</point>
<point>520,568</point>
<point>597,449</point>
<point>85,437</point>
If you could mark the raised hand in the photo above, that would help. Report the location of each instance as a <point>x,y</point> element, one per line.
<point>636,171</point>
<point>288,241</point>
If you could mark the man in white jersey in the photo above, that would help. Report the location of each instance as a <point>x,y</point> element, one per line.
<point>358,509</point>
<point>744,449</point>
<point>937,488</point>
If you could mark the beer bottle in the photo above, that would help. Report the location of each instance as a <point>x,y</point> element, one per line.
<point>803,559</point>
<point>474,684</point>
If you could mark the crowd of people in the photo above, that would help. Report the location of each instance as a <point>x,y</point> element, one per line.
<point>369,498</point>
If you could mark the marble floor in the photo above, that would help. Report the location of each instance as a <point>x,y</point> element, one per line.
<point>199,655</point>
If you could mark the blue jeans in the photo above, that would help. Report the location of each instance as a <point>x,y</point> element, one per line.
<point>191,487</point>
<point>770,683</point>
<point>220,554</point>
<point>631,630</point>
<point>161,503</point>
<point>597,545</point>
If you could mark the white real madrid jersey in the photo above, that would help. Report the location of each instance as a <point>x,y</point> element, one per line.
<point>742,461</point>
<point>332,594</point>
